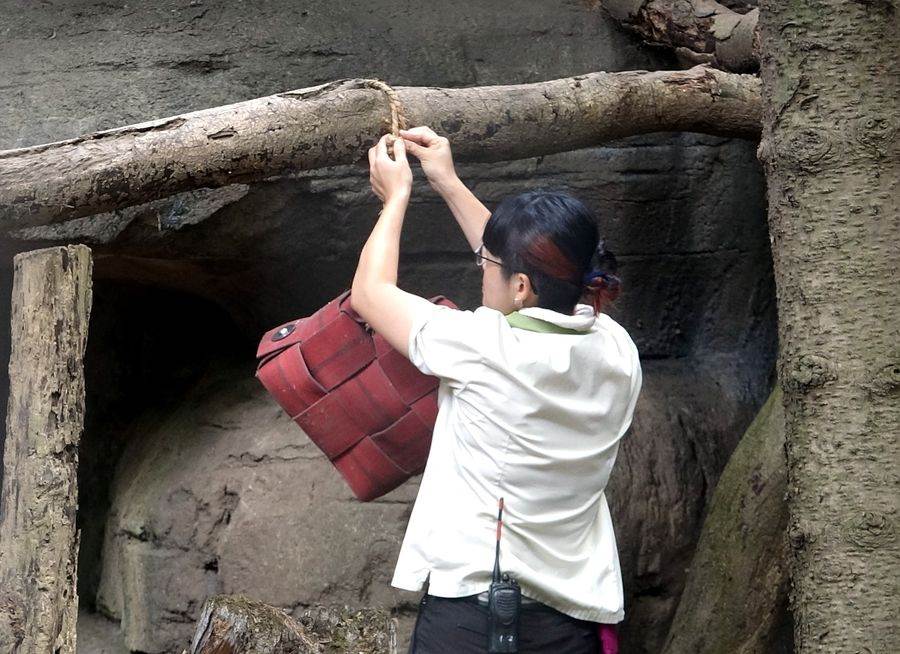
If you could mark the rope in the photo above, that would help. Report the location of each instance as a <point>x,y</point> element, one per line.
<point>398,119</point>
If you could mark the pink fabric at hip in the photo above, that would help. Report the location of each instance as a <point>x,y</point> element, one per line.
<point>609,638</point>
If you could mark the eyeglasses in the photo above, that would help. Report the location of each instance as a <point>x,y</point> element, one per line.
<point>480,258</point>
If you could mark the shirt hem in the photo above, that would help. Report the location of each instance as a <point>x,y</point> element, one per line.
<point>462,590</point>
<point>579,613</point>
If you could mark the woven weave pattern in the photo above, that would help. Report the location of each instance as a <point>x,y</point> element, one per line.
<point>361,401</point>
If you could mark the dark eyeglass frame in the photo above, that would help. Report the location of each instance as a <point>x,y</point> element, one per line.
<point>480,258</point>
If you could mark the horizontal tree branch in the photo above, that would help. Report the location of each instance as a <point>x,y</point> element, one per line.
<point>335,123</point>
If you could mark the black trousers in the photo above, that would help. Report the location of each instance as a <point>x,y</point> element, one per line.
<point>459,626</point>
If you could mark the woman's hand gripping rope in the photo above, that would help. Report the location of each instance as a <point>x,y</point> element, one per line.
<point>391,179</point>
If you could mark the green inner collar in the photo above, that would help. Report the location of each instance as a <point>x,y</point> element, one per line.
<point>516,319</point>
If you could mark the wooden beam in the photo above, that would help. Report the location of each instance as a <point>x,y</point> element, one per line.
<point>51,303</point>
<point>336,123</point>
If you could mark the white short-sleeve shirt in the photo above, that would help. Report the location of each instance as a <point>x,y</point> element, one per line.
<point>535,418</point>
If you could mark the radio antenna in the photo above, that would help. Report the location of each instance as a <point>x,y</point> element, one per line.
<point>496,574</point>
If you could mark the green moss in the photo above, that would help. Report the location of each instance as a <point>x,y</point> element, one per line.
<point>340,629</point>
<point>735,594</point>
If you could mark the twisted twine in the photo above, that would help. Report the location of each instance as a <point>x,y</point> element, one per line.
<point>398,119</point>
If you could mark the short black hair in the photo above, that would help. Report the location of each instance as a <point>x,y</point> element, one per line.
<point>552,237</point>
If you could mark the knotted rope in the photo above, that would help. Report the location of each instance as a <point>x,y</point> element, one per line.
<point>398,119</point>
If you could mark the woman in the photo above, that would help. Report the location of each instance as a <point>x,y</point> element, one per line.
<point>536,392</point>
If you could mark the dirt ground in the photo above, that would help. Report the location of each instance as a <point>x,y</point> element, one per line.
<point>98,635</point>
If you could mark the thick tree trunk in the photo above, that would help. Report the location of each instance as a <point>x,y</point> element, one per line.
<point>735,598</point>
<point>51,302</point>
<point>830,149</point>
<point>700,31</point>
<point>335,124</point>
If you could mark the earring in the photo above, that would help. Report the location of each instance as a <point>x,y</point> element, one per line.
<point>518,302</point>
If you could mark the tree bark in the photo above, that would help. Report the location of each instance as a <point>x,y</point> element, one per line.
<point>335,123</point>
<point>700,31</point>
<point>233,624</point>
<point>735,598</point>
<point>51,303</point>
<point>830,150</point>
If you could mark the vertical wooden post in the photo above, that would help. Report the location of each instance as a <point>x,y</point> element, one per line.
<point>51,303</point>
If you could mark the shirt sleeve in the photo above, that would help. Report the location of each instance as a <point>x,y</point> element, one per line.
<point>444,342</point>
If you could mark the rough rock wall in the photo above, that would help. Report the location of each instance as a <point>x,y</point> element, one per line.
<point>222,493</point>
<point>684,213</point>
<point>688,201</point>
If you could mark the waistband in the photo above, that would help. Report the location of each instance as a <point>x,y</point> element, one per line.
<point>482,600</point>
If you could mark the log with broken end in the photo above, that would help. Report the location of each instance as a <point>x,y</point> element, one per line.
<point>700,31</point>
<point>234,624</point>
<point>335,123</point>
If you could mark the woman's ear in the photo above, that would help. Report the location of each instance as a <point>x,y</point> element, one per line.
<point>524,288</point>
<point>523,284</point>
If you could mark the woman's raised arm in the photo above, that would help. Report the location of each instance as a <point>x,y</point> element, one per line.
<point>375,295</point>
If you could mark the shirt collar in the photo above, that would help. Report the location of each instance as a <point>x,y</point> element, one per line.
<point>582,320</point>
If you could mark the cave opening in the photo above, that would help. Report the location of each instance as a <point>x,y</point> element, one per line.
<point>146,347</point>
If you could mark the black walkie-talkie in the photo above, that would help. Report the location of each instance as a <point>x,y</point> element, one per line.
<point>504,604</point>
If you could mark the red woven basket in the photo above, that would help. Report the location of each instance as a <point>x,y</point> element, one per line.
<point>362,402</point>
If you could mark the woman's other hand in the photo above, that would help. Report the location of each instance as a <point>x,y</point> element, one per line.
<point>433,152</point>
<point>390,178</point>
